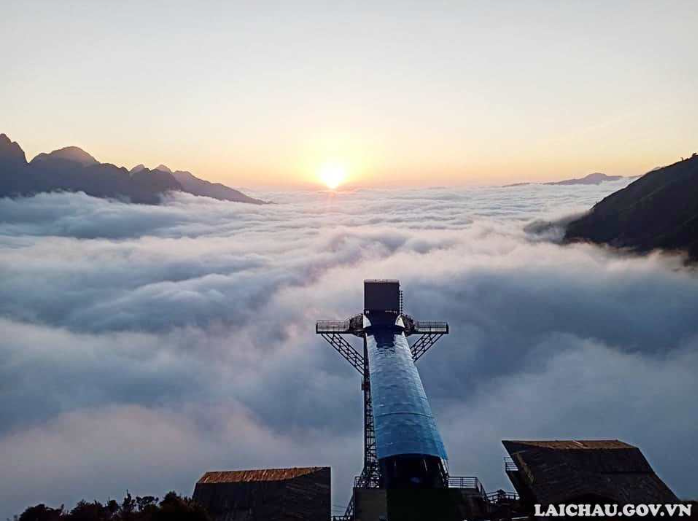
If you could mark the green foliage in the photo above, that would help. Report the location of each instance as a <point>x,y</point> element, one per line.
<point>172,508</point>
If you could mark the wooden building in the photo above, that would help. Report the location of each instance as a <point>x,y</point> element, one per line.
<point>299,493</point>
<point>584,471</point>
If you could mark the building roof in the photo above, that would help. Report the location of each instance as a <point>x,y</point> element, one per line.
<point>246,476</point>
<point>573,444</point>
<point>555,471</point>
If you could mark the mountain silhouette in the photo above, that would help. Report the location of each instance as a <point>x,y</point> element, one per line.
<point>71,169</point>
<point>74,154</point>
<point>163,168</point>
<point>196,186</point>
<point>11,153</point>
<point>658,211</point>
<point>591,179</point>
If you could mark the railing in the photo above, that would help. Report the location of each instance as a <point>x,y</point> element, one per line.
<point>345,326</point>
<point>468,482</point>
<point>510,465</point>
<point>332,326</point>
<point>501,496</point>
<point>431,328</point>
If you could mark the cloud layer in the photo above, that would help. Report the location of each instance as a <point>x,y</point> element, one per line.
<point>144,345</point>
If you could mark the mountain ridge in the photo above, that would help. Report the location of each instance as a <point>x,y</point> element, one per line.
<point>71,153</point>
<point>658,211</point>
<point>71,169</point>
<point>137,168</point>
<point>10,151</point>
<point>590,179</point>
<point>191,183</point>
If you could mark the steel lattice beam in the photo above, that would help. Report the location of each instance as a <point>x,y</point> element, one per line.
<point>345,349</point>
<point>369,475</point>
<point>421,346</point>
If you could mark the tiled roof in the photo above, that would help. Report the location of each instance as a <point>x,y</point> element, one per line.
<point>242,476</point>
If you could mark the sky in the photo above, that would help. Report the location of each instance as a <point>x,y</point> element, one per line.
<point>143,345</point>
<point>397,93</point>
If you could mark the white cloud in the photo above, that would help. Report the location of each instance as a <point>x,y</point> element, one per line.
<point>143,345</point>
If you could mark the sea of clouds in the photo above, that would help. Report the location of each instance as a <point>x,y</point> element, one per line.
<point>143,345</point>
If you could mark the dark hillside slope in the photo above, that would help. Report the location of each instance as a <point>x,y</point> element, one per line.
<point>658,211</point>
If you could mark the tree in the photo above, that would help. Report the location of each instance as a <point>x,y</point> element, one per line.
<point>176,508</point>
<point>41,513</point>
<point>172,508</point>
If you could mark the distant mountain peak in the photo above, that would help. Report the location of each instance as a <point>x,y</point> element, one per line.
<point>137,168</point>
<point>163,168</point>
<point>598,175</point>
<point>10,151</point>
<point>591,179</point>
<point>72,153</point>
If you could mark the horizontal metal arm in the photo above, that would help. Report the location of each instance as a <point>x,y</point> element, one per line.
<point>345,349</point>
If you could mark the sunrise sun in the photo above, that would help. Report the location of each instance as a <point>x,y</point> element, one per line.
<point>332,175</point>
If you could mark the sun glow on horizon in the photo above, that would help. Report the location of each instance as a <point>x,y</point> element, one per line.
<point>332,175</point>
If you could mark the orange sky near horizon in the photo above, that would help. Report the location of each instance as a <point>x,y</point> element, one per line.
<point>398,93</point>
<point>304,170</point>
